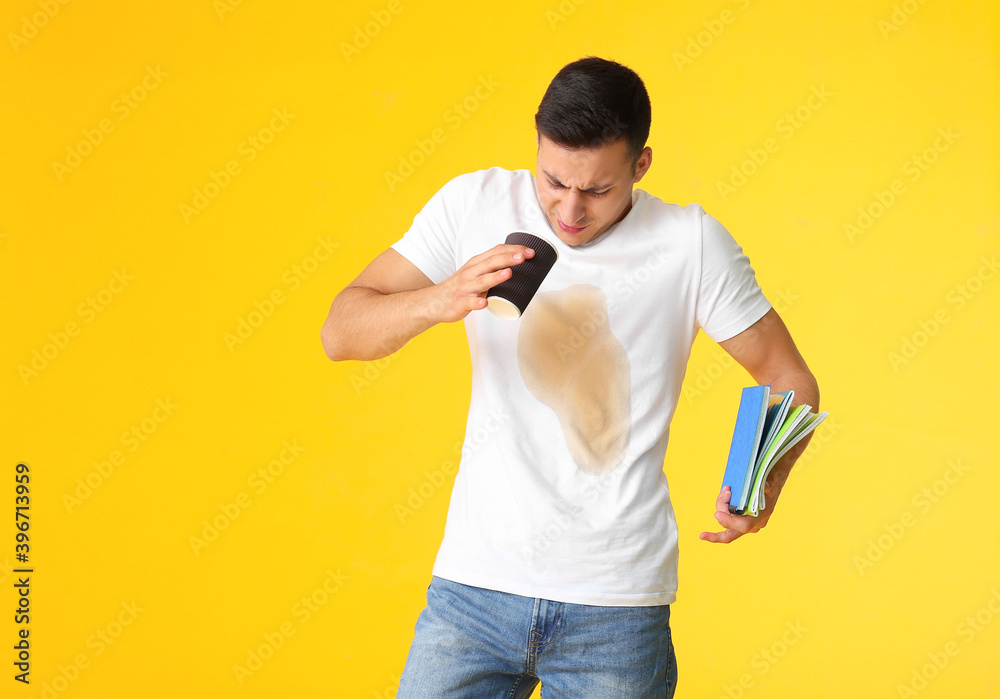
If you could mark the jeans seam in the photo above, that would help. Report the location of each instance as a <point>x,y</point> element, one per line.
<point>531,649</point>
<point>557,622</point>
<point>671,664</point>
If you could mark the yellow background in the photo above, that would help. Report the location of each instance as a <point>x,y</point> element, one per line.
<point>871,573</point>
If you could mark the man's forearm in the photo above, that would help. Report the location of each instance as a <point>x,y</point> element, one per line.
<point>366,324</point>
<point>806,392</point>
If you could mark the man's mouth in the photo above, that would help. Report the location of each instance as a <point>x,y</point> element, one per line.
<point>570,229</point>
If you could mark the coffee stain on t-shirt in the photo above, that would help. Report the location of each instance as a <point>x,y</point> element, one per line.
<point>571,362</point>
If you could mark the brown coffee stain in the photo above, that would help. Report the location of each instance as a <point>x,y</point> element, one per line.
<point>571,362</point>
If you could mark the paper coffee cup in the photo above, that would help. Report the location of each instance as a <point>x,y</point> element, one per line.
<point>511,297</point>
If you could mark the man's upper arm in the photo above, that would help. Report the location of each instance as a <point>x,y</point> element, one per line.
<point>390,273</point>
<point>766,350</point>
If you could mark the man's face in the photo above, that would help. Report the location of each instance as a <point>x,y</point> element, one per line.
<point>585,191</point>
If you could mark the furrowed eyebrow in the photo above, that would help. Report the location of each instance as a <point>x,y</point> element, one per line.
<point>596,188</point>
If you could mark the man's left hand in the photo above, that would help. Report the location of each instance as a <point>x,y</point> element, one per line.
<point>736,525</point>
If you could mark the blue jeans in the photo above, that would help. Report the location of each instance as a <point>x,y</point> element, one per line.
<point>474,643</point>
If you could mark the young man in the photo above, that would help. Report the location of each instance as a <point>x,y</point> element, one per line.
<point>559,558</point>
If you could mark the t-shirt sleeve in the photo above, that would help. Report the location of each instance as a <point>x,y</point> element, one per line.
<point>729,298</point>
<point>431,243</point>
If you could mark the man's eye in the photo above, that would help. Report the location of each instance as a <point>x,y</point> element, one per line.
<point>557,185</point>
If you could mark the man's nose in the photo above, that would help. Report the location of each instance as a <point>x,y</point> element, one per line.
<point>572,209</point>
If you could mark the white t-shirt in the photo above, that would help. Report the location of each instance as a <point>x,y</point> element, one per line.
<point>560,492</point>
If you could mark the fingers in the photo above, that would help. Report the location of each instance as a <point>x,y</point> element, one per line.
<point>498,258</point>
<point>474,283</point>
<point>735,525</point>
<point>466,289</point>
<point>727,519</point>
<point>482,272</point>
<point>725,537</point>
<point>725,496</point>
<point>495,278</point>
<point>505,249</point>
<point>477,303</point>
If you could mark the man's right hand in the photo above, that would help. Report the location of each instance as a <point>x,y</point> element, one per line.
<point>465,291</point>
<point>392,301</point>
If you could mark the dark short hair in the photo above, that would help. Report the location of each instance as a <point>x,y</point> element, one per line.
<point>594,101</point>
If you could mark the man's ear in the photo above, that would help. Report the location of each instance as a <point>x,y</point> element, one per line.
<point>643,163</point>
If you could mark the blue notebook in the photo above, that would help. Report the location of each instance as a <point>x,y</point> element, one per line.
<point>746,443</point>
<point>766,427</point>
